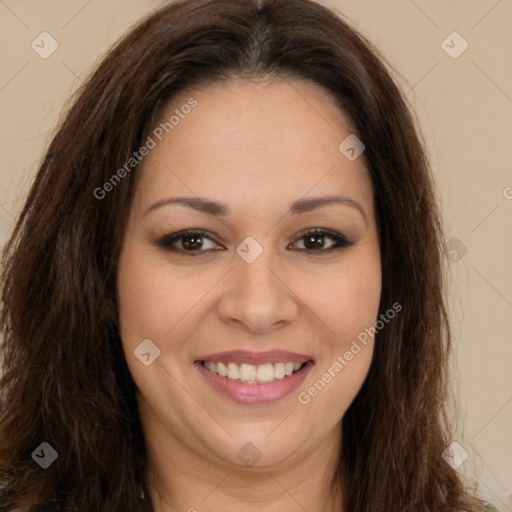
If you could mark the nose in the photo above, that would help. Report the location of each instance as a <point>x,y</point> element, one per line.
<point>257,296</point>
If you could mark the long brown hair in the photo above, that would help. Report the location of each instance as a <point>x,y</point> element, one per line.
<point>65,379</point>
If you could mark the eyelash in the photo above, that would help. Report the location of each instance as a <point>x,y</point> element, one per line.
<point>167,241</point>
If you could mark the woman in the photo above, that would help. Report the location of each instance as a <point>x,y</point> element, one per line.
<point>225,287</point>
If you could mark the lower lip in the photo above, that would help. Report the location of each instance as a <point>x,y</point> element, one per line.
<point>267,393</point>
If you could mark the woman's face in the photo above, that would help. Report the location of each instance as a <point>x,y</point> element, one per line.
<point>252,293</point>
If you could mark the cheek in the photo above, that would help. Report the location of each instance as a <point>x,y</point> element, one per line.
<point>153,296</point>
<point>358,299</point>
<point>347,303</point>
<point>140,298</point>
<point>345,298</point>
<point>155,302</point>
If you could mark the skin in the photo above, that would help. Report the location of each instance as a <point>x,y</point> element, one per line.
<point>257,147</point>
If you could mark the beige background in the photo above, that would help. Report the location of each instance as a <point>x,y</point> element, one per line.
<point>465,108</point>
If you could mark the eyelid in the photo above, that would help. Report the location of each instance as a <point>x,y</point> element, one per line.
<point>167,240</point>
<point>340,240</point>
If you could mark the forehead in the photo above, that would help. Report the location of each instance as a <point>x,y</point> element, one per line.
<point>248,140</point>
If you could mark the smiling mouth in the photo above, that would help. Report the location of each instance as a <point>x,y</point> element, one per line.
<point>253,374</point>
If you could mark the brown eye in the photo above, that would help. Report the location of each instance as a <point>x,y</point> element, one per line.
<point>191,242</point>
<point>314,241</point>
<point>188,241</point>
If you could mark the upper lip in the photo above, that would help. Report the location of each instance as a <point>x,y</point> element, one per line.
<point>256,358</point>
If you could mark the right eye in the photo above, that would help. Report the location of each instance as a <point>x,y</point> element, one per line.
<point>188,241</point>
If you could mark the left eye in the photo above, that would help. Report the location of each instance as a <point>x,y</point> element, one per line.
<point>312,240</point>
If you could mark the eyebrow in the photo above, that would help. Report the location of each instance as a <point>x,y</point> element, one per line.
<point>298,207</point>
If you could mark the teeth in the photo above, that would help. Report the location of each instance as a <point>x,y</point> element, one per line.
<point>279,372</point>
<point>252,374</point>
<point>248,372</point>
<point>233,371</point>
<point>222,369</point>
<point>265,373</point>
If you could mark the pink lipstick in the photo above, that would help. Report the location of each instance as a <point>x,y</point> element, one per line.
<point>254,377</point>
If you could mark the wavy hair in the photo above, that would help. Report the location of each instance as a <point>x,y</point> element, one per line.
<point>65,380</point>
